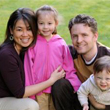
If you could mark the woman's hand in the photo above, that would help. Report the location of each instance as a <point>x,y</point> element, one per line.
<point>34,89</point>
<point>95,103</point>
<point>57,74</point>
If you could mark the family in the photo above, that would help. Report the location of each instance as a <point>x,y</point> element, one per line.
<point>39,71</point>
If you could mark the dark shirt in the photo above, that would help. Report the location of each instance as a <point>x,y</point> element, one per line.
<point>12,80</point>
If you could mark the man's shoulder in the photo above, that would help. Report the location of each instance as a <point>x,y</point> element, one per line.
<point>103,50</point>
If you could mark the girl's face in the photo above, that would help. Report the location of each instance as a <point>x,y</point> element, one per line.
<point>46,24</point>
<point>22,35</point>
<point>102,80</point>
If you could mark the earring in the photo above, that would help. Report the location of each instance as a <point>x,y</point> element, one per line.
<point>11,37</point>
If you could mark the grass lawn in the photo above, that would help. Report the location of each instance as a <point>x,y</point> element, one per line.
<point>99,9</point>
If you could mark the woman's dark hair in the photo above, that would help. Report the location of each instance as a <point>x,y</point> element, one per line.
<point>27,15</point>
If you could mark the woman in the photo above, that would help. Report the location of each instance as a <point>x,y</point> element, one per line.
<point>20,34</point>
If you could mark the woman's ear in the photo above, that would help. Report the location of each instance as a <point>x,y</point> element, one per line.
<point>11,31</point>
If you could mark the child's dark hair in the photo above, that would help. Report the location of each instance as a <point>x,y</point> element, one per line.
<point>101,64</point>
<point>48,9</point>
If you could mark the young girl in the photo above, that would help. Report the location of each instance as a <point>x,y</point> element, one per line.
<point>98,84</point>
<point>49,52</point>
<point>20,34</point>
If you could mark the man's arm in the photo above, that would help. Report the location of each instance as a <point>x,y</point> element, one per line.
<point>98,105</point>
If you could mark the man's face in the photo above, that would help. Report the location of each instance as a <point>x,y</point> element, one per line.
<point>83,39</point>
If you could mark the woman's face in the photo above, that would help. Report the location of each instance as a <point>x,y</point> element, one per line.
<point>22,34</point>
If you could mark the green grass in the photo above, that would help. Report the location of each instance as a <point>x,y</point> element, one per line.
<point>68,9</point>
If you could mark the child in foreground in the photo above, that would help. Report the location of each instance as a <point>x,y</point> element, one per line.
<point>98,84</point>
<point>49,52</point>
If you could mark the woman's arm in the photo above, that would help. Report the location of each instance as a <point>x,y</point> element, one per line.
<point>11,71</point>
<point>33,89</point>
<point>11,75</point>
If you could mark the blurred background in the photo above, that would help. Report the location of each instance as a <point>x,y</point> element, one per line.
<point>99,9</point>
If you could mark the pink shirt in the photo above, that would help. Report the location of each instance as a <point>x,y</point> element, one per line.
<point>41,60</point>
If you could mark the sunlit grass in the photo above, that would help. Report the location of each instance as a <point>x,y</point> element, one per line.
<point>68,9</point>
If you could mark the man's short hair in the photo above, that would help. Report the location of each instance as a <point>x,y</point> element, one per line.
<point>83,19</point>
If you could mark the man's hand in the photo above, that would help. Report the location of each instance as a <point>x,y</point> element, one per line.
<point>95,103</point>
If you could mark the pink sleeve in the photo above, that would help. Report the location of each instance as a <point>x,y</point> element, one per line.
<point>28,64</point>
<point>28,67</point>
<point>68,66</point>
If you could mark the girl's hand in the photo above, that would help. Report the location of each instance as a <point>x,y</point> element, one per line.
<point>57,74</point>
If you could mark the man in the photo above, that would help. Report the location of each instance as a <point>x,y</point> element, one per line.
<point>86,49</point>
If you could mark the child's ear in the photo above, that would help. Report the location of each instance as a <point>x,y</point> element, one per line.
<point>56,23</point>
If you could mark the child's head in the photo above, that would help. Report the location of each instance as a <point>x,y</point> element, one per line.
<point>47,20</point>
<point>102,72</point>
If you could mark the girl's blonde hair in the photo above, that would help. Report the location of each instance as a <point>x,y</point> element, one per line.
<point>48,9</point>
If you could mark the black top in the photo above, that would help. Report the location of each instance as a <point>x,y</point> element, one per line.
<point>12,80</point>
